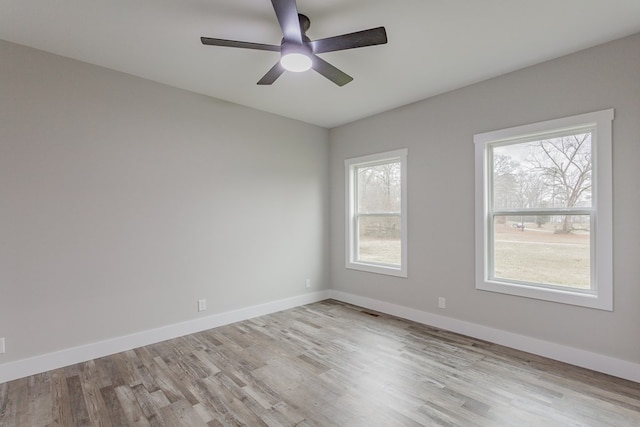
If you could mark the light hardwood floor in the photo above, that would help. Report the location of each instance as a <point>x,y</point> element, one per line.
<point>323,364</point>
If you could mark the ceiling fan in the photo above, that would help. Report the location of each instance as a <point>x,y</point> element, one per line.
<point>297,52</point>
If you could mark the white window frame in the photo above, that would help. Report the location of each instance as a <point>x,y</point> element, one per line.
<point>601,294</point>
<point>352,218</point>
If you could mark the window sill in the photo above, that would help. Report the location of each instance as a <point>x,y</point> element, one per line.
<point>378,269</point>
<point>563,296</point>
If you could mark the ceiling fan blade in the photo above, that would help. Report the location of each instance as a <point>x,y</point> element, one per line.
<point>287,13</point>
<point>271,76</point>
<point>371,37</point>
<point>329,71</point>
<point>234,43</point>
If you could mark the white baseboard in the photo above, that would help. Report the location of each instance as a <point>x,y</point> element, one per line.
<point>46,362</point>
<point>23,368</point>
<point>585,359</point>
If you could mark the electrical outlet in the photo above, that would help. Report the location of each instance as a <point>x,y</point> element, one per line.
<point>442,302</point>
<point>2,345</point>
<point>202,304</point>
<point>307,283</point>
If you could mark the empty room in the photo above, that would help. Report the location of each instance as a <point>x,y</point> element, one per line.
<point>312,213</point>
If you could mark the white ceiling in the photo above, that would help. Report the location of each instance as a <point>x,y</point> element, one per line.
<point>434,45</point>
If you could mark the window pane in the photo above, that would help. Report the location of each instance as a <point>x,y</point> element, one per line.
<point>550,250</point>
<point>553,172</point>
<point>379,188</point>
<point>379,239</point>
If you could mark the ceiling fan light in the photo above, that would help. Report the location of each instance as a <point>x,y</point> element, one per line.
<point>296,62</point>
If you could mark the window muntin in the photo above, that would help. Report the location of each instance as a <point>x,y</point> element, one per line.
<point>543,210</point>
<point>376,213</point>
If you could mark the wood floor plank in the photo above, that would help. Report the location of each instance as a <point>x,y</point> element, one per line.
<point>165,380</point>
<point>39,398</point>
<point>11,395</point>
<point>4,399</point>
<point>77,401</point>
<point>113,405</point>
<point>91,384</point>
<point>145,401</point>
<point>131,407</point>
<point>323,364</point>
<point>61,408</point>
<point>181,413</point>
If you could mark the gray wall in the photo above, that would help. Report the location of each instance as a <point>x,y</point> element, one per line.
<point>123,202</point>
<point>438,133</point>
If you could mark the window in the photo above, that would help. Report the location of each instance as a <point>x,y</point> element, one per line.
<point>544,210</point>
<point>377,213</point>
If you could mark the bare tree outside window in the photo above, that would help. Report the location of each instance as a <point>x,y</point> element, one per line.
<point>379,204</point>
<point>376,232</point>
<point>550,173</point>
<point>565,164</point>
<point>536,181</point>
<point>544,210</point>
